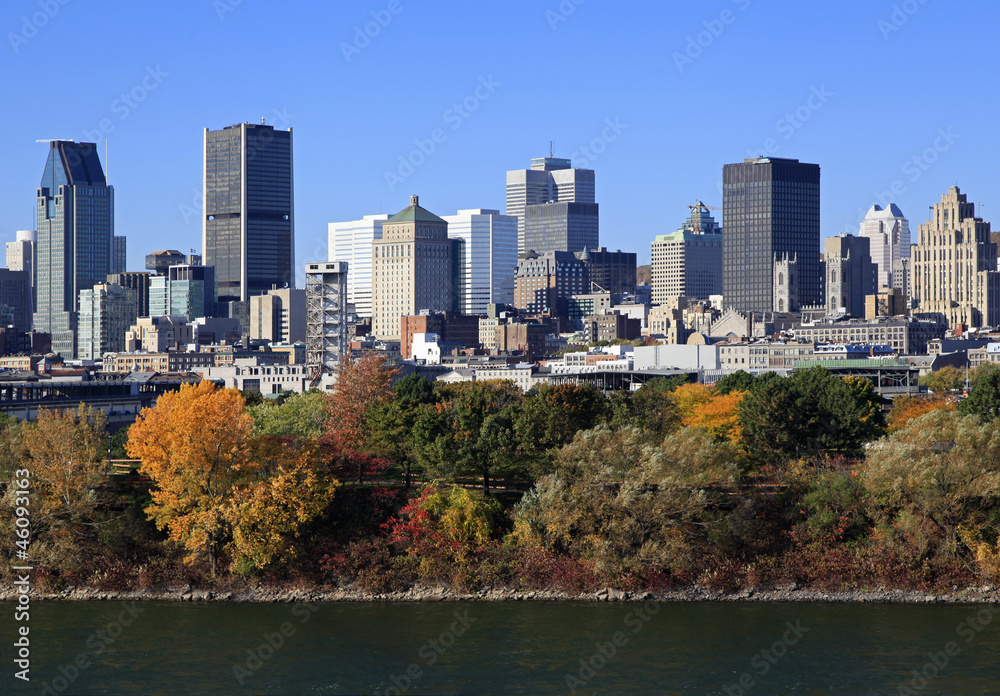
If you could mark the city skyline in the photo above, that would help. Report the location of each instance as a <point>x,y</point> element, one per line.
<point>618,109</point>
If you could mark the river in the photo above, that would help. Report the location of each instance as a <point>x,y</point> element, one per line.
<point>669,649</point>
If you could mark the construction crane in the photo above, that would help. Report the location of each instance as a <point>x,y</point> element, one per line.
<point>696,213</point>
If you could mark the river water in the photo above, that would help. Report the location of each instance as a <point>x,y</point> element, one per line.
<point>669,649</point>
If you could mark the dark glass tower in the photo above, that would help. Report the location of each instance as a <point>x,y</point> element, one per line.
<point>248,232</point>
<point>75,214</point>
<point>770,209</point>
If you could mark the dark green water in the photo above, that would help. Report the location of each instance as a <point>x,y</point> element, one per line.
<point>506,648</point>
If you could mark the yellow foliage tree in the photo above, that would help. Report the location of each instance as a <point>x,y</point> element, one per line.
<point>906,408</point>
<point>719,414</point>
<point>193,444</point>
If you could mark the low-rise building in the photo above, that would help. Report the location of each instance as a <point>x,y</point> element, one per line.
<point>249,374</point>
<point>906,335</point>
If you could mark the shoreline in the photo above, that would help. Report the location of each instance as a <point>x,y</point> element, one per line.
<point>267,595</point>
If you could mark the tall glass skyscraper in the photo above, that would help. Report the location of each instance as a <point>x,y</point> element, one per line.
<point>75,214</point>
<point>770,210</point>
<point>556,227</point>
<point>248,233</point>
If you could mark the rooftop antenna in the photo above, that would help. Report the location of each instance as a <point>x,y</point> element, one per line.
<point>107,165</point>
<point>262,121</point>
<point>551,149</point>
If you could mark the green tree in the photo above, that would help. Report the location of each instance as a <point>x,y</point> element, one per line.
<point>652,410</point>
<point>737,381</point>
<point>299,415</point>
<point>552,415</point>
<point>983,400</point>
<point>472,432</point>
<point>945,379</point>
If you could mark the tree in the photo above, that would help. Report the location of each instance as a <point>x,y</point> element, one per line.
<point>624,504</point>
<point>552,415</point>
<point>737,381</point>
<point>983,400</point>
<point>945,379</point>
<point>907,408</point>
<point>719,416</point>
<point>652,410</point>
<point>286,485</point>
<point>300,415</point>
<point>193,445</point>
<point>472,431</point>
<point>65,452</point>
<point>943,467</point>
<point>361,386</point>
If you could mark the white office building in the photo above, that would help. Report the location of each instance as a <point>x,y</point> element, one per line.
<point>106,313</point>
<point>487,258</point>
<point>351,243</point>
<point>888,232</point>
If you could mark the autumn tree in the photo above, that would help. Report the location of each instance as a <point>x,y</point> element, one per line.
<point>942,468</point>
<point>193,445</point>
<point>944,379</point>
<point>362,385</point>
<point>719,416</point>
<point>624,504</point>
<point>906,408</point>
<point>65,452</point>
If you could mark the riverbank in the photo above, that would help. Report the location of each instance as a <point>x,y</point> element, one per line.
<point>262,594</point>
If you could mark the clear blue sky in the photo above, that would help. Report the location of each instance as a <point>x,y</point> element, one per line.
<point>880,93</point>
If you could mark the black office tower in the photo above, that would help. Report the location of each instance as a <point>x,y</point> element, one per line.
<point>249,226</point>
<point>770,210</point>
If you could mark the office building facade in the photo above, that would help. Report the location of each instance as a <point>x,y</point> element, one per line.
<point>770,211</point>
<point>279,316</point>
<point>350,242</point>
<point>850,275</point>
<point>545,282</point>
<point>688,262</point>
<point>119,255</point>
<point>486,258</point>
<point>75,221</point>
<point>107,312</point>
<point>21,257</point>
<point>549,180</point>
<point>561,226</point>
<point>610,271</point>
<point>888,233</point>
<point>138,282</point>
<point>955,270</point>
<point>413,268</point>
<point>185,291</point>
<point>248,232</point>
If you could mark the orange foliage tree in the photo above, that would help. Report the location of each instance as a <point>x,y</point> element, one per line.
<point>217,487</point>
<point>906,408</point>
<point>193,444</point>
<point>720,416</point>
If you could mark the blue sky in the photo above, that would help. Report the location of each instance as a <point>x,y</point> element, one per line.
<point>896,101</point>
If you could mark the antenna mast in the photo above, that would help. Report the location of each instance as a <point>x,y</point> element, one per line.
<point>551,149</point>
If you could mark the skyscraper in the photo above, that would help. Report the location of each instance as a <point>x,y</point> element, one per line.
<point>185,291</point>
<point>412,268</point>
<point>889,234</point>
<point>955,265</point>
<point>850,274</point>
<point>106,313</point>
<point>688,262</point>
<point>551,180</point>
<point>119,256</point>
<point>21,257</point>
<point>248,232</point>
<point>351,242</point>
<point>75,212</point>
<point>487,258</point>
<point>770,211</point>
